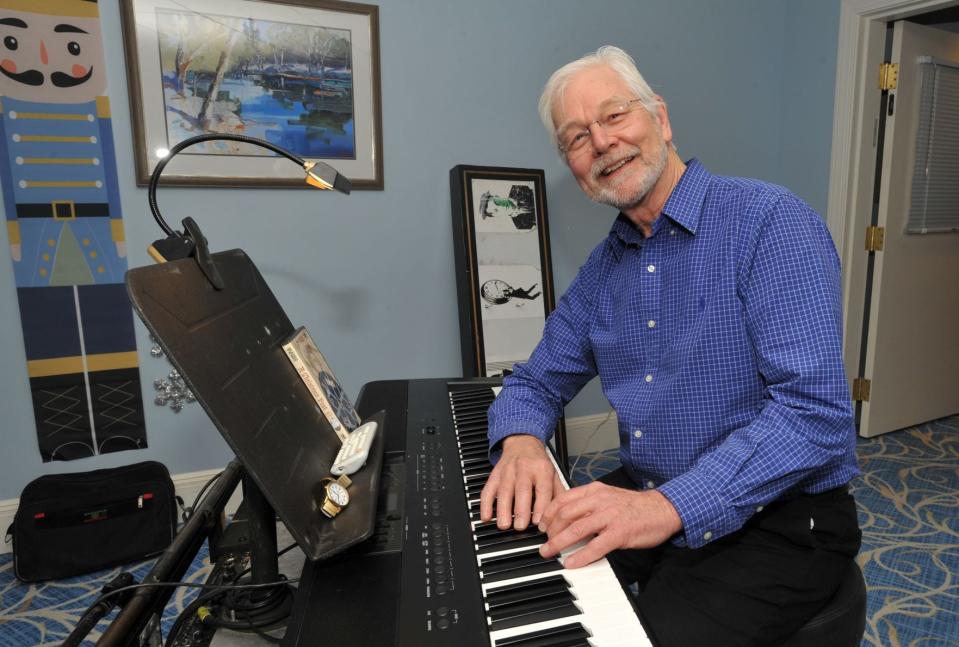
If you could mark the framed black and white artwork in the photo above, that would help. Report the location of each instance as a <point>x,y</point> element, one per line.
<point>503,272</point>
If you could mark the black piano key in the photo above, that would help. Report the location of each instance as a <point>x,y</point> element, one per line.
<point>530,613</point>
<point>532,569</point>
<point>484,393</point>
<point>516,542</point>
<point>486,527</point>
<point>465,402</point>
<point>515,608</point>
<point>519,564</point>
<point>487,538</point>
<point>528,590</point>
<point>477,469</point>
<point>473,405</point>
<point>570,635</point>
<point>474,511</point>
<point>501,562</point>
<point>475,491</point>
<point>473,440</point>
<point>474,508</point>
<point>472,431</point>
<point>475,417</point>
<point>571,642</point>
<point>471,418</point>
<point>473,450</point>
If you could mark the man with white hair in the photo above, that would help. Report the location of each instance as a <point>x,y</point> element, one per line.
<point>712,315</point>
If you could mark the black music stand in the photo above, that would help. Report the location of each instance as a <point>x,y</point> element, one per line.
<point>226,343</point>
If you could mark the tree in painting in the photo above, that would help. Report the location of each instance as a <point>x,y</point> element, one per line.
<point>288,84</point>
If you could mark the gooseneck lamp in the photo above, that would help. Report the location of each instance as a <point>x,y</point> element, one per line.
<point>191,242</point>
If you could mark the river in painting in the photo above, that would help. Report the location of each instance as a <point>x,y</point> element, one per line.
<point>303,118</point>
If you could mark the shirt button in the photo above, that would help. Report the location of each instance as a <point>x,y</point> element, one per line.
<point>708,535</point>
<point>672,232</point>
<point>759,509</point>
<point>637,434</point>
<point>650,268</point>
<point>650,485</point>
<point>649,378</point>
<point>651,323</point>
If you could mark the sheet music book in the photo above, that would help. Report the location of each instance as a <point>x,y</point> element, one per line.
<point>318,377</point>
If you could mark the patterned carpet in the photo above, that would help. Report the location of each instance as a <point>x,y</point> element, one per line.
<point>907,496</point>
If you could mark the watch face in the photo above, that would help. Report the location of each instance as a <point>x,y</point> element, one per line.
<point>338,494</point>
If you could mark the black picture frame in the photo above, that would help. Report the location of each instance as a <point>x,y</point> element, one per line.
<point>511,239</point>
<point>504,277</point>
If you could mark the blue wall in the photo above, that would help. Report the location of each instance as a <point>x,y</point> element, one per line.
<point>749,84</point>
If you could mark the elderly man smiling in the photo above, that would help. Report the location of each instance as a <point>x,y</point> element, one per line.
<point>712,315</point>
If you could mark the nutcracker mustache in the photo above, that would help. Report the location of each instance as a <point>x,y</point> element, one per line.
<point>30,77</point>
<point>62,80</point>
<point>59,79</point>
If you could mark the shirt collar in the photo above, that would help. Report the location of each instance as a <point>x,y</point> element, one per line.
<point>684,205</point>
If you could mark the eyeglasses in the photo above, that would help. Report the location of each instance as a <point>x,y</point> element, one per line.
<point>574,140</point>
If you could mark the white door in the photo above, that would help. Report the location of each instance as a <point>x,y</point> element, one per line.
<point>912,345</point>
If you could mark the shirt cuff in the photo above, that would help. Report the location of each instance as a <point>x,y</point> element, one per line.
<point>706,515</point>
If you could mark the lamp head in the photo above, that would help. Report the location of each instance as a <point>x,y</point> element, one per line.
<point>325,177</point>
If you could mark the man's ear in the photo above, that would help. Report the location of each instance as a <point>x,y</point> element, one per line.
<point>662,114</point>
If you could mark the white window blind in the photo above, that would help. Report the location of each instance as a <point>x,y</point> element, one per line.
<point>935,179</point>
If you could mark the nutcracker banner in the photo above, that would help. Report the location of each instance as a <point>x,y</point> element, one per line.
<point>61,200</point>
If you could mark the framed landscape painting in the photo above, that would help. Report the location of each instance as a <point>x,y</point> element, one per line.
<point>301,74</point>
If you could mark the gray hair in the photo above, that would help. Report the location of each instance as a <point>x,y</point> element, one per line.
<point>613,58</point>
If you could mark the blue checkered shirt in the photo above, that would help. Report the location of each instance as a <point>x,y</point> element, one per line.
<point>718,342</point>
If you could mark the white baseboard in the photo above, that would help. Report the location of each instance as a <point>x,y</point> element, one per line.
<point>595,433</point>
<point>8,509</point>
<point>187,486</point>
<point>583,434</point>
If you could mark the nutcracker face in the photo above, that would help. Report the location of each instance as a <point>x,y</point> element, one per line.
<point>52,58</point>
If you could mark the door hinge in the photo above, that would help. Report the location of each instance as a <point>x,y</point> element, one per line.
<point>888,76</point>
<point>875,237</point>
<point>860,389</point>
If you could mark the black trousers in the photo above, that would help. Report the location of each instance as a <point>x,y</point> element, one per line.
<point>756,586</point>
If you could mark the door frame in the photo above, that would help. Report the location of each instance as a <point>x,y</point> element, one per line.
<point>862,26</point>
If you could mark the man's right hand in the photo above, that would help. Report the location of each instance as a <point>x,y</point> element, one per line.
<point>523,480</point>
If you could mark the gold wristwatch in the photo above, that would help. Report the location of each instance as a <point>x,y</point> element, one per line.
<point>333,495</point>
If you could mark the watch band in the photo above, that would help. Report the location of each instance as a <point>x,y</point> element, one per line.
<point>329,508</point>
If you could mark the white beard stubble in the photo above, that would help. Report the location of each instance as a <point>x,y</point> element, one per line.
<point>609,194</point>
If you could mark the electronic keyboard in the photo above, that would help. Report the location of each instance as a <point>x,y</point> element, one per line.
<point>433,573</point>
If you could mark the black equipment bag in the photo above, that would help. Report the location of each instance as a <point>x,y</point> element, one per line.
<point>70,524</point>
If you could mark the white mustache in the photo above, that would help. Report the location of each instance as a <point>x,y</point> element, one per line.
<point>607,161</point>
